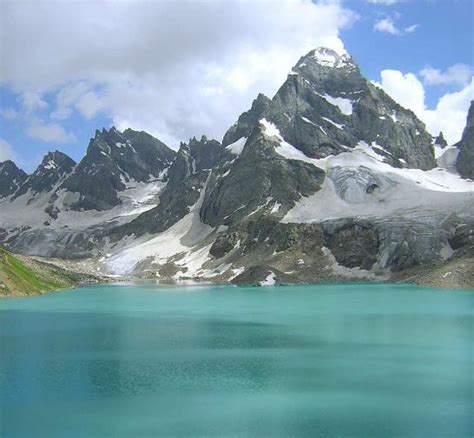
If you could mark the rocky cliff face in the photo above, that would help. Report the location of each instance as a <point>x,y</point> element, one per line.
<point>112,161</point>
<point>11,178</point>
<point>329,179</point>
<point>465,160</point>
<point>54,167</point>
<point>186,180</point>
<point>324,108</point>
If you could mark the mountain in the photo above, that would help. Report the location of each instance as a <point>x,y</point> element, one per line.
<point>465,159</point>
<point>187,178</point>
<point>63,210</point>
<point>112,161</point>
<point>53,168</point>
<point>11,178</point>
<point>330,179</point>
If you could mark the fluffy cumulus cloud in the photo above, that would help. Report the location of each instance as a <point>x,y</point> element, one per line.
<point>6,152</point>
<point>175,69</point>
<point>448,116</point>
<point>405,89</point>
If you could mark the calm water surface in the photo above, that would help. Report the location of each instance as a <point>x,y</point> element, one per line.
<point>312,361</point>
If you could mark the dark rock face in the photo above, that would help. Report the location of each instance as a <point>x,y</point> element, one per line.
<point>326,105</point>
<point>463,237</point>
<point>354,245</point>
<point>440,141</point>
<point>247,121</point>
<point>465,160</point>
<point>11,178</point>
<point>223,244</point>
<point>259,178</point>
<point>54,168</point>
<point>112,160</point>
<point>187,177</point>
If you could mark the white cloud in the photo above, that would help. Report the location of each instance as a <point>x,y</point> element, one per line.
<point>457,74</point>
<point>406,89</point>
<point>450,113</point>
<point>6,152</point>
<point>90,104</point>
<point>176,69</point>
<point>32,101</point>
<point>448,116</point>
<point>49,132</point>
<point>387,25</point>
<point>9,114</point>
<point>412,28</point>
<point>66,97</point>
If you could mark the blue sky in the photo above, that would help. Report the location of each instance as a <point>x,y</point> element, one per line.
<point>97,64</point>
<point>444,37</point>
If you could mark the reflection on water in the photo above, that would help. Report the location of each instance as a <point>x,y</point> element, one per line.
<point>349,361</point>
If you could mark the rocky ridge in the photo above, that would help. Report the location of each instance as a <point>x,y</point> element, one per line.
<point>330,179</point>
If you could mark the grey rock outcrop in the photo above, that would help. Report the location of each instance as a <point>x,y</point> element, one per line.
<point>114,159</point>
<point>258,181</point>
<point>465,160</point>
<point>326,106</point>
<point>11,178</point>
<point>247,120</point>
<point>54,167</point>
<point>187,177</point>
<point>440,141</point>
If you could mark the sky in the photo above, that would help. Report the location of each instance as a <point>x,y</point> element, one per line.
<point>179,69</point>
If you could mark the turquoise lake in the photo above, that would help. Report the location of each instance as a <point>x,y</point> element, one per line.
<point>308,361</point>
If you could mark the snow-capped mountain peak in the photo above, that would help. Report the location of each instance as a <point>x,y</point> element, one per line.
<point>327,57</point>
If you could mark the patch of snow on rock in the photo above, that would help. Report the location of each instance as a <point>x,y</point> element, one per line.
<point>344,105</point>
<point>275,208</point>
<point>238,146</point>
<point>308,121</point>
<point>337,125</point>
<point>270,280</point>
<point>330,58</point>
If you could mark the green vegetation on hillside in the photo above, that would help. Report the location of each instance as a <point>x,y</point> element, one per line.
<point>21,275</point>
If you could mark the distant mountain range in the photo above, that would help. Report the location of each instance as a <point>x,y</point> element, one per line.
<point>330,179</point>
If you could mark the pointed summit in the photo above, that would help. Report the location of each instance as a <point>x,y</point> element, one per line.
<point>114,160</point>
<point>11,177</point>
<point>53,168</point>
<point>247,120</point>
<point>440,140</point>
<point>329,58</point>
<point>56,160</point>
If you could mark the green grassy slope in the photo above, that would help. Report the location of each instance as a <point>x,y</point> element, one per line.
<point>21,275</point>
